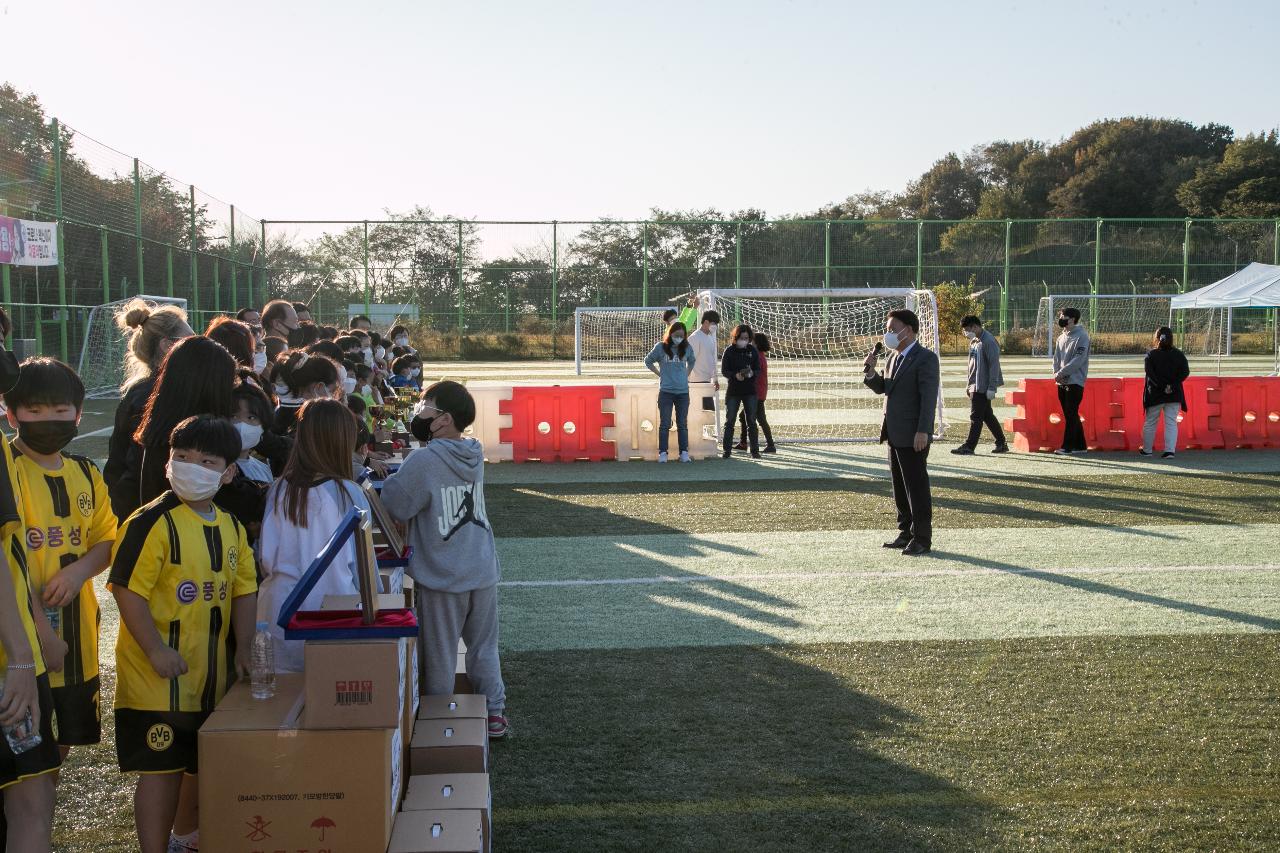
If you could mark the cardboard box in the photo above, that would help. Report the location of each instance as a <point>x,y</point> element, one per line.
<point>265,784</point>
<point>354,684</point>
<point>409,707</point>
<point>455,707</point>
<point>449,746</point>
<point>452,791</point>
<point>452,831</point>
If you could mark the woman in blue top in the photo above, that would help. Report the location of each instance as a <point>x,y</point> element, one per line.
<point>672,359</point>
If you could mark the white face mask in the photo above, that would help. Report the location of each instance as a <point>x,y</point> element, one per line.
<point>281,390</point>
<point>403,341</point>
<point>259,362</point>
<point>891,340</point>
<point>193,482</point>
<point>413,374</point>
<point>741,344</point>
<point>348,385</point>
<point>970,335</point>
<point>368,356</point>
<point>379,353</point>
<point>250,435</point>
<point>712,331</point>
<point>677,339</point>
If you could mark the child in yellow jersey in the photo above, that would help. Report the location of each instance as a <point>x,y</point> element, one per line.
<point>183,576</point>
<point>69,530</point>
<point>27,778</point>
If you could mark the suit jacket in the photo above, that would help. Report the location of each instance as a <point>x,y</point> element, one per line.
<point>911,395</point>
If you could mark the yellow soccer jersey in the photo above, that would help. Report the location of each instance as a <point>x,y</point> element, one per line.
<point>189,570</point>
<point>65,513</point>
<point>11,537</point>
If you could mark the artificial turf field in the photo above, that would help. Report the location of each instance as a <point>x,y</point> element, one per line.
<point>721,655</point>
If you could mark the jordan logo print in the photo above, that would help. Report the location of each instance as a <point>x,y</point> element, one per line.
<point>460,508</point>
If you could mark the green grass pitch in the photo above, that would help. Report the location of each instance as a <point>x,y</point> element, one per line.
<point>721,656</point>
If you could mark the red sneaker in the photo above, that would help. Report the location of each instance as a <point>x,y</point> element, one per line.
<point>498,726</point>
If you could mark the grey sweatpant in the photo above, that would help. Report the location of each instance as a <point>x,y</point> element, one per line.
<point>443,617</point>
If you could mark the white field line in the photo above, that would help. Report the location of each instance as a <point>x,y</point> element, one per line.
<point>882,575</point>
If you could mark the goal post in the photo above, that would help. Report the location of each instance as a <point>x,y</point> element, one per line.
<point>103,352</point>
<point>1124,324</point>
<point>819,338</point>
<point>613,336</point>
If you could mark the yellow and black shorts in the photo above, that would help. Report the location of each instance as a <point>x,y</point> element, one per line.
<point>75,708</point>
<point>158,741</point>
<point>41,759</point>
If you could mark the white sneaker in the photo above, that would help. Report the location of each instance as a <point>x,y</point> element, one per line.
<point>1062,451</point>
<point>662,457</point>
<point>684,457</point>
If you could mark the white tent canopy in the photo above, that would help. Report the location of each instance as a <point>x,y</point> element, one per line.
<point>1255,286</point>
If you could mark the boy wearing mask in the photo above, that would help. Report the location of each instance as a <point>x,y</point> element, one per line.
<point>439,493</point>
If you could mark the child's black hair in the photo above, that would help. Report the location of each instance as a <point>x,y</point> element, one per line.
<point>207,434</point>
<point>327,348</point>
<point>259,403</point>
<point>403,362</point>
<point>454,399</point>
<point>356,405</point>
<point>347,343</point>
<point>762,342</point>
<point>45,381</point>
<point>362,370</point>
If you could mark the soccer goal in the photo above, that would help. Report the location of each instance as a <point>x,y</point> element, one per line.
<point>1121,324</point>
<point>819,338</point>
<point>604,338</point>
<point>105,346</point>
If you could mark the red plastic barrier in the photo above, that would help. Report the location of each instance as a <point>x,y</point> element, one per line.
<point>559,423</point>
<point>1222,412</point>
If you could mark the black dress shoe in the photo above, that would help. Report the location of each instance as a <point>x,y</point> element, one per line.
<point>915,549</point>
<point>1000,448</point>
<point>962,450</point>
<point>901,542</point>
<point>726,454</point>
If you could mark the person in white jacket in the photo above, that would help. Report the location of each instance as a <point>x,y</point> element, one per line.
<point>304,507</point>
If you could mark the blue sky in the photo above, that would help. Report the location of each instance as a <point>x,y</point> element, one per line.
<point>539,110</point>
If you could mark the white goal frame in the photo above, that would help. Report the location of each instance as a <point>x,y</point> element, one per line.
<point>922,302</point>
<point>628,358</point>
<point>98,362</point>
<point>1047,310</point>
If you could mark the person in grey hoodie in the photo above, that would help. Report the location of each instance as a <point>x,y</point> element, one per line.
<point>672,359</point>
<point>984,378</point>
<point>1070,370</point>
<point>439,493</point>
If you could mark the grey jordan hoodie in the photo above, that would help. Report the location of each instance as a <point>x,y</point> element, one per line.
<point>439,492</point>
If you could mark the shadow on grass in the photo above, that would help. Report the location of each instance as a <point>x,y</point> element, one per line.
<point>1098,588</point>
<point>724,743</point>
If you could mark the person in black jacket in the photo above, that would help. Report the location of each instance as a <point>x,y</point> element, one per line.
<point>740,364</point>
<point>1166,369</point>
<point>152,333</point>
<point>196,378</point>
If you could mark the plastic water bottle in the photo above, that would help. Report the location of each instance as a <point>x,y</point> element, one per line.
<point>22,736</point>
<point>263,664</point>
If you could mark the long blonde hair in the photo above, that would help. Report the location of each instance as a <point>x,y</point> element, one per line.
<point>147,326</point>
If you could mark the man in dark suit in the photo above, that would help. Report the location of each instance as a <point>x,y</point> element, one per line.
<point>910,385</point>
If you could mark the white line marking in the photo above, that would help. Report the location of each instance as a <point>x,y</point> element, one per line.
<point>888,574</point>
<point>96,432</point>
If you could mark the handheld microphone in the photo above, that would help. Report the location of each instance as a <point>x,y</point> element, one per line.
<point>879,348</point>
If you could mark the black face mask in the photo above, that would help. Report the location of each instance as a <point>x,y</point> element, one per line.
<point>47,437</point>
<point>421,428</point>
<point>1062,321</point>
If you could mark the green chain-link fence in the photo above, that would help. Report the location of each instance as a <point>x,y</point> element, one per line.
<point>481,289</point>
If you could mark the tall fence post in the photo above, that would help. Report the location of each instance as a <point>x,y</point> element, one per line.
<point>104,244</point>
<point>462,322</point>
<point>169,271</point>
<point>737,258</point>
<point>137,224</point>
<point>195,261</point>
<point>59,227</point>
<point>1004,285</point>
<point>555,284</point>
<point>644,264</point>
<point>234,304</point>
<point>217,286</point>
<point>1186,278</point>
<point>920,254</point>
<point>265,289</point>
<point>1097,274</point>
<point>367,300</point>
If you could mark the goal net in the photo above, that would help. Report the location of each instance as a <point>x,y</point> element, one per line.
<point>1121,324</point>
<point>105,346</point>
<point>819,339</point>
<point>609,337</point>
